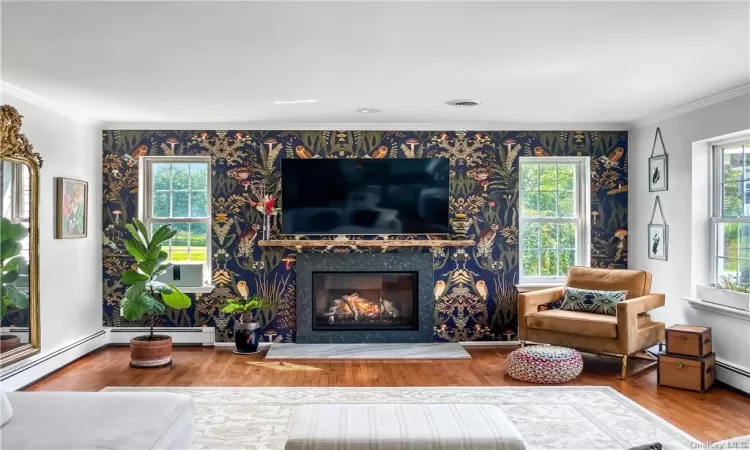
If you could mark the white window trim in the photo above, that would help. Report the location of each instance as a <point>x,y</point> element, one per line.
<point>717,202</point>
<point>144,208</point>
<point>583,221</point>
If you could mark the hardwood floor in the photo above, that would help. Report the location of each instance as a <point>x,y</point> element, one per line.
<point>719,414</point>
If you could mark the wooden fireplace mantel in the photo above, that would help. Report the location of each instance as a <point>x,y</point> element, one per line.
<point>380,243</point>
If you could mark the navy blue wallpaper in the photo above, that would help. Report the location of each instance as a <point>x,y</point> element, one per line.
<point>474,287</point>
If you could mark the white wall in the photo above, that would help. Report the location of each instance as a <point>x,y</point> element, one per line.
<point>686,209</point>
<point>70,269</point>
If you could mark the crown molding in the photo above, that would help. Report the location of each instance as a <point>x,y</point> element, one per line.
<point>44,103</point>
<point>702,103</point>
<point>365,126</point>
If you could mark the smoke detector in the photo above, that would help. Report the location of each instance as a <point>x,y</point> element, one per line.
<point>464,103</point>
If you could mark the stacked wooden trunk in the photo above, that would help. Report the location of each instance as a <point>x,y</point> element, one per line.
<point>689,362</point>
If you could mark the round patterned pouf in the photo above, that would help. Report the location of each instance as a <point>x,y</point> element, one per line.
<point>544,364</point>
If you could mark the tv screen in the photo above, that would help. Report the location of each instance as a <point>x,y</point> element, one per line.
<point>365,196</point>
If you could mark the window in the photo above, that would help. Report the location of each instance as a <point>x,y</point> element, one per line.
<point>16,196</point>
<point>177,191</point>
<point>554,212</point>
<point>731,212</point>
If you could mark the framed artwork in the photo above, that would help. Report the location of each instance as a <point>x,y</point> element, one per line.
<point>658,234</point>
<point>72,209</point>
<point>657,241</point>
<point>658,167</point>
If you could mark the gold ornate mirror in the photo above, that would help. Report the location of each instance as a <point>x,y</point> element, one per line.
<point>19,241</point>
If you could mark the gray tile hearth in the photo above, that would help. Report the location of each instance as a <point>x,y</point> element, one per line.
<point>436,350</point>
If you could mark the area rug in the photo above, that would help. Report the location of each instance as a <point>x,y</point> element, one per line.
<point>550,418</point>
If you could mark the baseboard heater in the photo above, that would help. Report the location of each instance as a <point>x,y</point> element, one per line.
<point>181,336</point>
<point>733,375</point>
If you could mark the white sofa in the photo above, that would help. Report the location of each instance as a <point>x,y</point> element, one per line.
<point>101,420</point>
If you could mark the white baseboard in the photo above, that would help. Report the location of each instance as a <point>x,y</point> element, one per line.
<point>736,376</point>
<point>23,373</point>
<point>204,336</point>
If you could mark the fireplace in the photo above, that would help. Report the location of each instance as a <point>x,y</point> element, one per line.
<point>363,297</point>
<point>365,300</point>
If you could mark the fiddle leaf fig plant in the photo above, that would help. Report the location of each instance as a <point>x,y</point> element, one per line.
<point>146,296</point>
<point>11,263</point>
<point>245,307</point>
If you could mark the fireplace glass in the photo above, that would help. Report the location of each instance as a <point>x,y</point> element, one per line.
<point>365,300</point>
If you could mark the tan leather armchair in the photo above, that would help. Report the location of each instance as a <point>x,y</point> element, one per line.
<point>629,332</point>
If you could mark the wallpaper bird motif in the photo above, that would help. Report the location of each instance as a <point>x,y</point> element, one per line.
<point>473,287</point>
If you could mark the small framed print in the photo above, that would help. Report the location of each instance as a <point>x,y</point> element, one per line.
<point>72,209</point>
<point>658,169</point>
<point>658,241</point>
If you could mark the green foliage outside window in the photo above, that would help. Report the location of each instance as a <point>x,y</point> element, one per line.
<point>548,192</point>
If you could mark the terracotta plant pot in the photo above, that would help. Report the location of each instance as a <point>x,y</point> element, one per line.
<point>9,342</point>
<point>151,353</point>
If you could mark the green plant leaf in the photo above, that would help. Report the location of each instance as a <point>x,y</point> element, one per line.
<point>16,298</point>
<point>137,235</point>
<point>9,249</point>
<point>164,233</point>
<point>134,308</point>
<point>142,229</point>
<point>9,277</point>
<point>11,231</point>
<point>14,263</point>
<point>135,249</point>
<point>135,290</point>
<point>231,308</point>
<point>158,286</point>
<point>176,299</point>
<point>154,267</point>
<point>160,268</point>
<point>132,277</point>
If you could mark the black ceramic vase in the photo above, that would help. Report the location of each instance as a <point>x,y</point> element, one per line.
<point>246,337</point>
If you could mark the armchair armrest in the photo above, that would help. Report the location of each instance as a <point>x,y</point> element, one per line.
<point>627,319</point>
<point>640,305</point>
<point>529,302</point>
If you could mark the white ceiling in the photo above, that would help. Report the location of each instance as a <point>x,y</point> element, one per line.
<point>531,62</point>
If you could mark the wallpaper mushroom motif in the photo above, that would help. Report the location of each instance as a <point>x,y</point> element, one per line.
<point>474,287</point>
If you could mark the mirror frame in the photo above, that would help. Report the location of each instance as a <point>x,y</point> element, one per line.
<point>15,147</point>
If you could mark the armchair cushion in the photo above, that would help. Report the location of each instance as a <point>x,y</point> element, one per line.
<point>574,322</point>
<point>592,301</point>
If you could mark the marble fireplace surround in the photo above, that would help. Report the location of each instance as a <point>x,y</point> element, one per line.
<point>421,263</point>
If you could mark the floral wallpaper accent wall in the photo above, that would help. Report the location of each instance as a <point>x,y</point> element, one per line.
<point>474,287</point>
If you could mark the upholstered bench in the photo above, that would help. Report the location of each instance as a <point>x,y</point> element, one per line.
<point>394,426</point>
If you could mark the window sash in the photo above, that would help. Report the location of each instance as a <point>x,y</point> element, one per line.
<point>581,198</point>
<point>146,197</point>
<point>718,181</point>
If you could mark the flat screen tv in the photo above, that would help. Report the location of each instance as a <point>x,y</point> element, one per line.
<point>365,196</point>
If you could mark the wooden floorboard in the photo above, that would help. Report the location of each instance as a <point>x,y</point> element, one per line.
<point>718,414</point>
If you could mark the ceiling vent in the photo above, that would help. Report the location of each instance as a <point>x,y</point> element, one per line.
<point>464,103</point>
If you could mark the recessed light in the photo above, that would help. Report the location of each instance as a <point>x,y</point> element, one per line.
<point>292,102</point>
<point>464,103</point>
<point>368,110</point>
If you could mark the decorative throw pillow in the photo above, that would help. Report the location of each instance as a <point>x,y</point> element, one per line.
<point>589,300</point>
